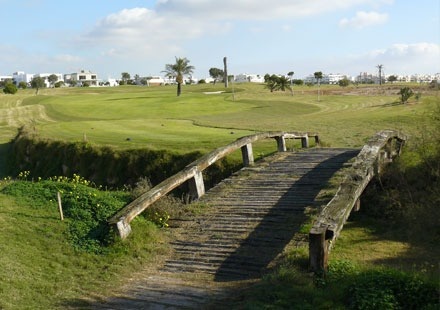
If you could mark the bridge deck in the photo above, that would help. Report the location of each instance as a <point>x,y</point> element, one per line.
<point>250,219</point>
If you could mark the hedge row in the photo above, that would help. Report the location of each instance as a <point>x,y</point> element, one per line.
<point>102,165</point>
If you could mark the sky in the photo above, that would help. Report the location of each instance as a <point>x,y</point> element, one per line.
<point>257,36</point>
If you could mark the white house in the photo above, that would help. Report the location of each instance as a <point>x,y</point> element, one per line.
<point>21,76</point>
<point>253,78</point>
<point>81,78</point>
<point>45,77</point>
<point>4,78</point>
<point>155,80</point>
<point>335,78</point>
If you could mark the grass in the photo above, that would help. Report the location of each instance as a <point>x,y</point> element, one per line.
<point>137,117</point>
<point>40,268</point>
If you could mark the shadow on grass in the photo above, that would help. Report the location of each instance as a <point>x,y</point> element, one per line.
<point>4,154</point>
<point>409,254</point>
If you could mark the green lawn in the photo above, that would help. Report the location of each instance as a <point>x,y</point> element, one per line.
<point>138,117</point>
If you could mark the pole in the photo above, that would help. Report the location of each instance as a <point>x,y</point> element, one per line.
<point>60,207</point>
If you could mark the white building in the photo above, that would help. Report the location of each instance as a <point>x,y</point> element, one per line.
<point>4,78</point>
<point>81,78</point>
<point>21,76</point>
<point>45,77</point>
<point>335,78</point>
<point>331,78</point>
<point>156,80</point>
<point>253,78</point>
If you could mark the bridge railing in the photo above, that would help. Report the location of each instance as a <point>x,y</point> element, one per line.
<point>193,174</point>
<point>380,150</point>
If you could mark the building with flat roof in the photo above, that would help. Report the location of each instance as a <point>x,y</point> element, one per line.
<point>81,78</point>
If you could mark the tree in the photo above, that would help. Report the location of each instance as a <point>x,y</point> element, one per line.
<point>22,85</point>
<point>178,70</point>
<point>275,82</point>
<point>125,76</point>
<point>266,77</point>
<point>344,82</point>
<point>318,77</point>
<point>392,78</point>
<point>144,81</point>
<point>37,83</point>
<point>53,78</point>
<point>380,67</point>
<point>290,74</point>
<point>225,69</point>
<point>10,88</point>
<point>137,79</point>
<point>271,82</point>
<point>216,73</point>
<point>405,93</point>
<point>59,84</point>
<point>283,83</point>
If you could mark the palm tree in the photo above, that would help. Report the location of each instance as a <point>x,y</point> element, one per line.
<point>178,70</point>
<point>290,74</point>
<point>318,77</point>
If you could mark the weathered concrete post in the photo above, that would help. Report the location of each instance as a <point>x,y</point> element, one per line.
<point>316,140</point>
<point>247,155</point>
<point>281,143</point>
<point>305,142</point>
<point>123,228</point>
<point>196,186</point>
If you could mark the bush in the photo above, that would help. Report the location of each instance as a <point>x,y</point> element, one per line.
<point>86,208</point>
<point>10,89</point>
<point>390,289</point>
<point>405,93</point>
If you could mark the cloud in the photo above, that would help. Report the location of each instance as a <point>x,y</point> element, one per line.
<point>401,58</point>
<point>258,10</point>
<point>143,31</point>
<point>171,24</point>
<point>364,19</point>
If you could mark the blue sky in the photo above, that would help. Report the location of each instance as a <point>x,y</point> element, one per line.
<point>277,36</point>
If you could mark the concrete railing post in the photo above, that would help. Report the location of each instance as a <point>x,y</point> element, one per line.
<point>247,155</point>
<point>281,143</point>
<point>316,140</point>
<point>305,142</point>
<point>196,186</point>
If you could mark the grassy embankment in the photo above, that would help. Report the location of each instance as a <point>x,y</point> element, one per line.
<point>42,268</point>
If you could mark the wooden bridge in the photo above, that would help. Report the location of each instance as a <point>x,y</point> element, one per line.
<point>250,219</point>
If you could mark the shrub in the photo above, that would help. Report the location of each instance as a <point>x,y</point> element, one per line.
<point>10,89</point>
<point>405,93</point>
<point>390,289</point>
<point>86,208</point>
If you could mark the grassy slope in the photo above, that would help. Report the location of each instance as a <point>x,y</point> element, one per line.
<point>40,270</point>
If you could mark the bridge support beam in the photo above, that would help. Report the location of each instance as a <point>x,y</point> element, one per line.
<point>247,155</point>
<point>196,186</point>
